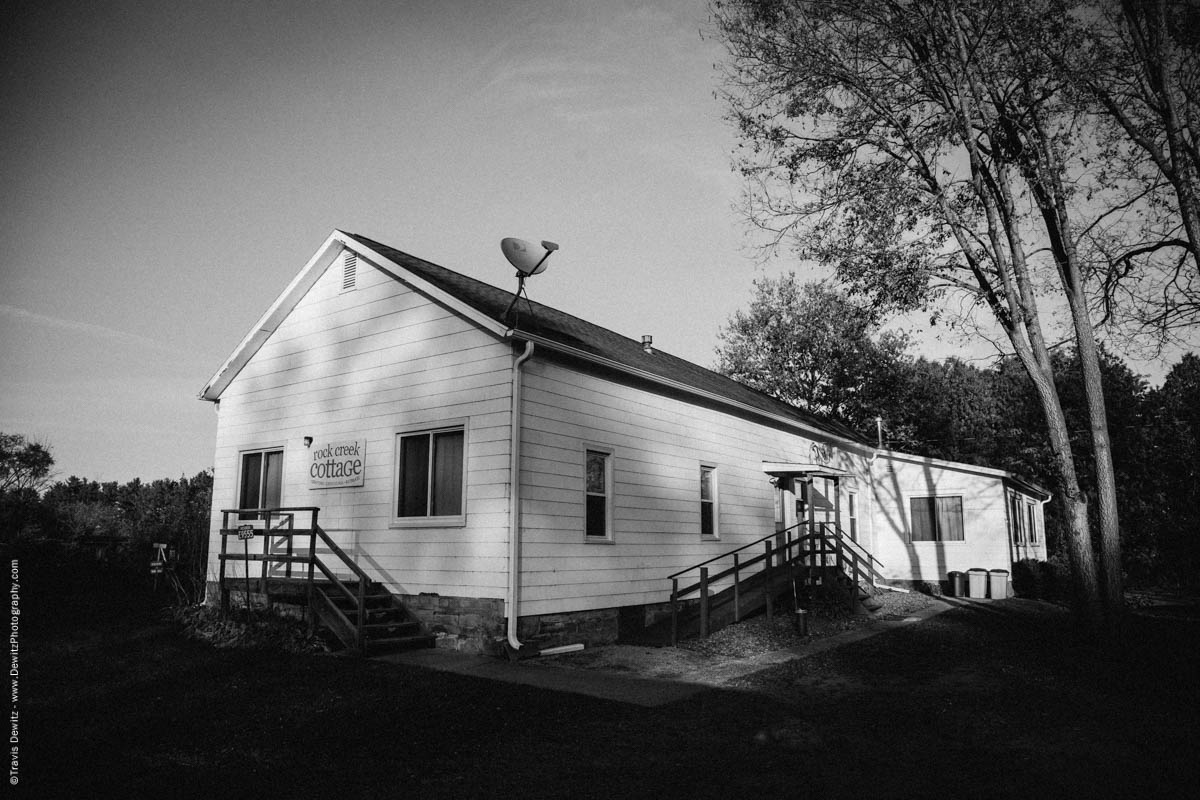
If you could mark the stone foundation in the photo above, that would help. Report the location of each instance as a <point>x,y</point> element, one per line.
<point>590,628</point>
<point>469,624</point>
<point>478,624</point>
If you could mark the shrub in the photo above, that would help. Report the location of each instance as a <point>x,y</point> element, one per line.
<point>1042,580</point>
<point>265,629</point>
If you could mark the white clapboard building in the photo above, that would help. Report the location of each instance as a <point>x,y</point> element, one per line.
<point>499,480</point>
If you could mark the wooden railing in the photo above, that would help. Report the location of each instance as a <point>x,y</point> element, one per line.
<point>805,544</point>
<point>255,522</point>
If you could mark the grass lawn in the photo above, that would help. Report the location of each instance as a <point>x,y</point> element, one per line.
<point>978,702</point>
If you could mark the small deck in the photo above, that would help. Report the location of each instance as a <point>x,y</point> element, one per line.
<point>359,611</point>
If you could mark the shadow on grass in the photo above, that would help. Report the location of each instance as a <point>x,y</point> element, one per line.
<point>996,701</point>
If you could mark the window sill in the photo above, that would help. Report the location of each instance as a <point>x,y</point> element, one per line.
<point>429,522</point>
<point>598,540</point>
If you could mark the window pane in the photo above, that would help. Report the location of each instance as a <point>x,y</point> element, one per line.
<point>706,519</point>
<point>595,472</point>
<point>922,511</point>
<point>272,479</point>
<point>414,476</point>
<point>447,473</point>
<point>251,480</point>
<point>706,483</point>
<point>950,519</point>
<point>597,515</point>
<point>1032,526</point>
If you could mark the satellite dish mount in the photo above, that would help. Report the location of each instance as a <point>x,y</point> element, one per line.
<point>525,257</point>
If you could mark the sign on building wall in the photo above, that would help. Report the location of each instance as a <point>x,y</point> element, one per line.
<point>337,464</point>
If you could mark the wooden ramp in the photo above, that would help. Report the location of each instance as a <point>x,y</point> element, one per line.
<point>782,571</point>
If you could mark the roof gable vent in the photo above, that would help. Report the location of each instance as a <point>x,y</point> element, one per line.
<point>349,270</point>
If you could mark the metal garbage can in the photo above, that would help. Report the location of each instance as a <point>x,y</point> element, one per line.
<point>977,583</point>
<point>801,621</point>
<point>958,584</point>
<point>998,581</point>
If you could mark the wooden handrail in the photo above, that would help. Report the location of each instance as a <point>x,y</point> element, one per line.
<point>728,553</point>
<point>340,553</point>
<point>314,533</point>
<point>823,541</point>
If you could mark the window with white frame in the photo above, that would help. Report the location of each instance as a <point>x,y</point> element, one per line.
<point>852,515</point>
<point>430,475</point>
<point>260,482</point>
<point>598,494</point>
<point>709,510</point>
<point>1024,521</point>
<point>936,519</point>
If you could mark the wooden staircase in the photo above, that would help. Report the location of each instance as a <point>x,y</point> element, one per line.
<point>387,624</point>
<point>788,569</point>
<point>360,612</point>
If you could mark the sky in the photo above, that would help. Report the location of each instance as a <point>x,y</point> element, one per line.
<point>169,167</point>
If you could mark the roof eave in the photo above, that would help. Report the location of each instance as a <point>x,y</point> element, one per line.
<point>336,242</point>
<point>1011,477</point>
<point>274,315</point>
<point>574,352</point>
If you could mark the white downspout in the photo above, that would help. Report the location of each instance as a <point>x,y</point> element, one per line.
<point>514,503</point>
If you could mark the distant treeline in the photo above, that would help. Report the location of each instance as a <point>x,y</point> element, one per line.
<point>118,524</point>
<point>955,411</point>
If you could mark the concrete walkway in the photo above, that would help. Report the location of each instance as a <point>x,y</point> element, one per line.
<point>642,691</point>
<point>649,692</point>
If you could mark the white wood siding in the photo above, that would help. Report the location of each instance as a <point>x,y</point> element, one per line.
<point>362,364</point>
<point>985,521</point>
<point>366,363</point>
<point>658,444</point>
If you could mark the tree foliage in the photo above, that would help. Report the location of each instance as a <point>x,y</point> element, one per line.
<point>927,150</point>
<point>1135,66</point>
<point>123,522</point>
<point>813,347</point>
<point>24,464</point>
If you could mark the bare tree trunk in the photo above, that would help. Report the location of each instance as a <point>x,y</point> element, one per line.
<point>993,183</point>
<point>1044,177</point>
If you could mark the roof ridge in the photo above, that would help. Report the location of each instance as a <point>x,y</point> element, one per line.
<point>573,331</point>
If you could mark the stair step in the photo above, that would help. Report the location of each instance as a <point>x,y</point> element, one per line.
<point>398,643</point>
<point>391,627</point>
<point>371,602</point>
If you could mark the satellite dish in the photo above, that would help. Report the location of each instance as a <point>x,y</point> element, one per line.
<point>525,256</point>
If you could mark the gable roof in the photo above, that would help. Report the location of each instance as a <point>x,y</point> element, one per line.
<point>546,326</point>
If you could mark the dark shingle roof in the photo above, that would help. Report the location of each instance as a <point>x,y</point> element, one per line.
<point>557,326</point>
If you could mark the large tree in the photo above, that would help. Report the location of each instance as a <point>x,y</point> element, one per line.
<point>926,151</point>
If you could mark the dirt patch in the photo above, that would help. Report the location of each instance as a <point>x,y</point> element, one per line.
<point>712,660</point>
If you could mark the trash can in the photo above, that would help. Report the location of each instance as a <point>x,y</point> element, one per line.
<point>998,580</point>
<point>977,583</point>
<point>801,620</point>
<point>958,584</point>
